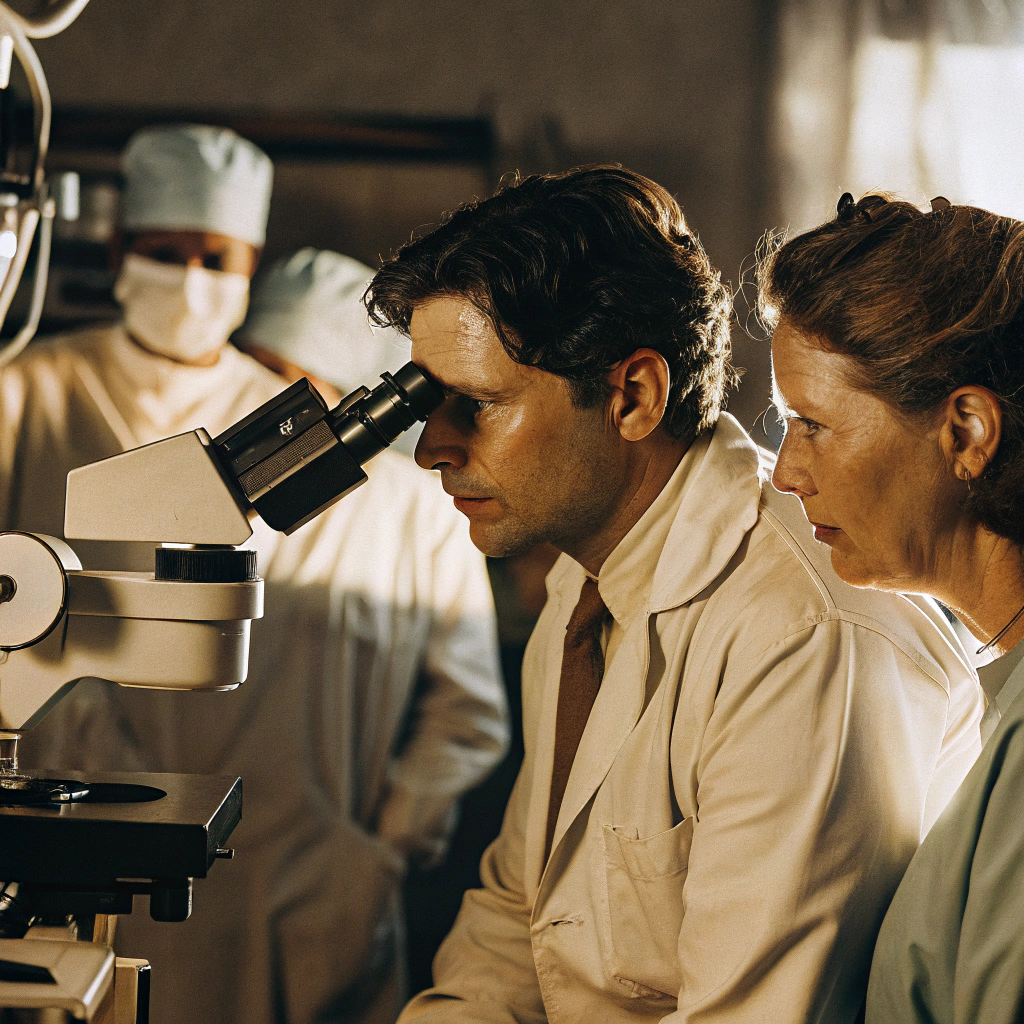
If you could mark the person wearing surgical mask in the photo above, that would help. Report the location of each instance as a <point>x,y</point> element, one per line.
<point>192,226</point>
<point>182,293</point>
<point>194,220</point>
<point>379,602</point>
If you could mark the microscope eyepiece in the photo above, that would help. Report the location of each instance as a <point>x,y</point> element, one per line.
<point>367,421</point>
<point>293,457</point>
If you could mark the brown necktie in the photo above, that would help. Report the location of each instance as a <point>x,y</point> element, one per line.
<point>582,669</point>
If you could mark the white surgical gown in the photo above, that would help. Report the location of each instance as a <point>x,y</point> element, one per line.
<point>382,590</point>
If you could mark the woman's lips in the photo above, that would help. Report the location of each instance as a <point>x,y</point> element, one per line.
<point>825,534</point>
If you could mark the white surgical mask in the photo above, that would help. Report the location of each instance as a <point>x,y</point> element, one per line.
<point>180,312</point>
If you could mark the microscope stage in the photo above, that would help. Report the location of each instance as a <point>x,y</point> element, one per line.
<point>94,840</point>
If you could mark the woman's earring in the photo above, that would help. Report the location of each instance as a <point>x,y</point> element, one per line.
<point>967,478</point>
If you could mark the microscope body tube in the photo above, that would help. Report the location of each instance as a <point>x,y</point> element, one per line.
<point>286,459</point>
<point>286,462</point>
<point>293,457</point>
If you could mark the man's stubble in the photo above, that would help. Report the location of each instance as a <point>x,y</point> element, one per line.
<point>568,493</point>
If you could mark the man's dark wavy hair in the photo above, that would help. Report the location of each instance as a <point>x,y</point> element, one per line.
<point>575,271</point>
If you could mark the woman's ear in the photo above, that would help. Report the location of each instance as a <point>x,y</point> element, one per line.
<point>972,430</point>
<point>640,385</point>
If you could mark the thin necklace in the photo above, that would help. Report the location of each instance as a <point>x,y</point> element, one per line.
<point>999,636</point>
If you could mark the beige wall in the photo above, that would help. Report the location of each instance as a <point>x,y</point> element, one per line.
<point>673,89</point>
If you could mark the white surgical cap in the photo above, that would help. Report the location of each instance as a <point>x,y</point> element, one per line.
<point>192,177</point>
<point>308,309</point>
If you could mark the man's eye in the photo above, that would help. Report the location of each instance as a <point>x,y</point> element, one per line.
<point>474,405</point>
<point>808,426</point>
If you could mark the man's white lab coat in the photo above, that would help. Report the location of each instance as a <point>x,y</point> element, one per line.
<point>767,749</point>
<point>358,602</point>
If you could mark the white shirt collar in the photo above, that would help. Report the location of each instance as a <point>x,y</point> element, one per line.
<point>627,575</point>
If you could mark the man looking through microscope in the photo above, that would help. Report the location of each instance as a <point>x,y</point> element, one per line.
<point>381,588</point>
<point>720,790</point>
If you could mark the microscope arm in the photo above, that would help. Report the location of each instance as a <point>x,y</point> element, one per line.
<point>60,623</point>
<point>126,627</point>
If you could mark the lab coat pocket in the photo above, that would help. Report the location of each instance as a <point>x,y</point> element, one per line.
<point>645,907</point>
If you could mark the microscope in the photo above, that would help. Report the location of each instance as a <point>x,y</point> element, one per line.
<point>80,848</point>
<point>76,849</point>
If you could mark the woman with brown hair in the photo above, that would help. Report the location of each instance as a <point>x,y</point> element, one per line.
<point>898,355</point>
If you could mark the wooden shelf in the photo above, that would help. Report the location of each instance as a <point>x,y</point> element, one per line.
<point>295,137</point>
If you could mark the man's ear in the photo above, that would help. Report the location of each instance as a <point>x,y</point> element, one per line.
<point>971,431</point>
<point>640,385</point>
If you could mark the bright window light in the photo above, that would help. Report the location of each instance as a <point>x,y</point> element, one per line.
<point>931,118</point>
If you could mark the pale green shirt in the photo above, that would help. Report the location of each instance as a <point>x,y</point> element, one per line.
<point>1002,685</point>
<point>951,949</point>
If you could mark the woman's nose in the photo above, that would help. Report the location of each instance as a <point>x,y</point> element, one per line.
<point>440,443</point>
<point>790,475</point>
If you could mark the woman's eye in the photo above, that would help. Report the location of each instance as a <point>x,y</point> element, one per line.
<point>806,427</point>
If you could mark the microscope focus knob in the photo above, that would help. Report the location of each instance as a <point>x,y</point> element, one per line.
<point>206,565</point>
<point>170,899</point>
<point>33,587</point>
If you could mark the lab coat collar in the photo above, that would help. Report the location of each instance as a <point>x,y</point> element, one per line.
<point>628,572</point>
<point>715,493</point>
<point>719,508</point>
<point>718,495</point>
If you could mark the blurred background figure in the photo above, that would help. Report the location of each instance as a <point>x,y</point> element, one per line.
<point>193,222</point>
<point>373,699</point>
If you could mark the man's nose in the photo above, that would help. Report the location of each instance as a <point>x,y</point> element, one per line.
<point>790,475</point>
<point>441,443</point>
